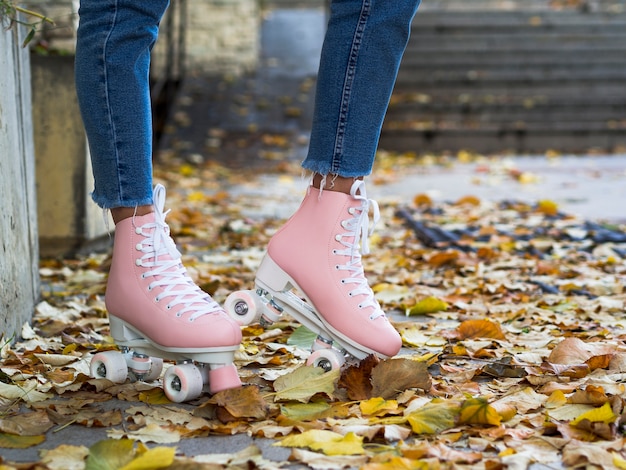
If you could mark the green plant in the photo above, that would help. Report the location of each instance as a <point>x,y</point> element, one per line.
<point>10,12</point>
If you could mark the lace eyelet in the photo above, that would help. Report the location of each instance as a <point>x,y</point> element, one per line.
<point>157,299</point>
<point>138,230</point>
<point>138,247</point>
<point>138,262</point>
<point>178,314</point>
<point>150,288</point>
<point>169,307</point>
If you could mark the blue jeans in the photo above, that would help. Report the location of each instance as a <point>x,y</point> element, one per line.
<point>360,58</point>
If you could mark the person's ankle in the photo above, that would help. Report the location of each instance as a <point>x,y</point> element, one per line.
<point>120,213</point>
<point>334,183</point>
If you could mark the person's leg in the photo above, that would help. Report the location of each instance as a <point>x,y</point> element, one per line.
<point>359,64</point>
<point>317,251</point>
<point>150,298</point>
<point>114,41</point>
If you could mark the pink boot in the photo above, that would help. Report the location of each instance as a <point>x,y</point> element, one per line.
<point>317,253</point>
<point>156,308</point>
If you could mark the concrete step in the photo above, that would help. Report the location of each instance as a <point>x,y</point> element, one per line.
<point>515,90</point>
<point>490,20</point>
<point>522,141</point>
<point>525,5</point>
<point>517,75</point>
<point>427,60</point>
<point>491,75</point>
<point>564,41</point>
<point>470,115</point>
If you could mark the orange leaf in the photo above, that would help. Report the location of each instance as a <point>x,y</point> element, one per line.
<point>471,329</point>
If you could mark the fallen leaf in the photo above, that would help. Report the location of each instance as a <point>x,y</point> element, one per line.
<point>393,376</point>
<point>243,402</point>
<point>478,411</point>
<point>304,382</point>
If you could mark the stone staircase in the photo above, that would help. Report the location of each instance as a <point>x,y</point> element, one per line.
<point>492,76</point>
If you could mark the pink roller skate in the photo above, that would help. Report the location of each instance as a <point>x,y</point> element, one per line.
<point>156,312</point>
<point>317,254</point>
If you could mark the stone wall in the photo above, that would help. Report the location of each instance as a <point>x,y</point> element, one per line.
<point>19,255</point>
<point>221,36</point>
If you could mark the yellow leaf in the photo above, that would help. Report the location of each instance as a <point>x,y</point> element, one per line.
<point>331,443</point>
<point>376,406</point>
<point>556,399</point>
<point>14,441</point>
<point>619,461</point>
<point>157,457</point>
<point>398,463</point>
<point>603,414</point>
<point>434,417</point>
<point>110,454</point>
<point>507,451</point>
<point>547,207</point>
<point>426,306</point>
<point>196,196</point>
<point>304,382</point>
<point>187,170</point>
<point>304,411</point>
<point>155,396</point>
<point>478,411</point>
<point>307,438</point>
<point>70,348</point>
<point>350,444</point>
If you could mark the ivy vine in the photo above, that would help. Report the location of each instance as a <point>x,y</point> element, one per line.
<point>10,14</point>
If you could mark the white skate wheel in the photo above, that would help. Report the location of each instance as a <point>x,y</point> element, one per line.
<point>327,359</point>
<point>243,306</point>
<point>110,365</point>
<point>182,382</point>
<point>156,367</point>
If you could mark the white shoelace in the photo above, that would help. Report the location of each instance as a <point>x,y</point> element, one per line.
<point>161,254</point>
<point>357,232</point>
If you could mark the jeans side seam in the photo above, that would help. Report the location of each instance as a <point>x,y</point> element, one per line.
<point>348,84</point>
<point>111,121</point>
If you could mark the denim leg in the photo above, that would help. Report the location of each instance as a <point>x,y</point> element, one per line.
<point>113,47</point>
<point>361,55</point>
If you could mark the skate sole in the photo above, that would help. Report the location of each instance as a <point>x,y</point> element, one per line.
<point>304,312</point>
<point>125,335</point>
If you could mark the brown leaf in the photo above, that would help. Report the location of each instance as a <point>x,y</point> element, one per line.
<point>566,370</point>
<point>357,379</point>
<point>27,424</point>
<point>244,402</point>
<point>393,376</point>
<point>471,329</point>
<point>592,395</point>
<point>575,351</point>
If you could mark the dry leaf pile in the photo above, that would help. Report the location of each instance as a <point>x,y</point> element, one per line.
<point>512,317</point>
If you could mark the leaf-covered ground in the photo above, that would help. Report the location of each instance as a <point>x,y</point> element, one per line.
<point>512,316</point>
